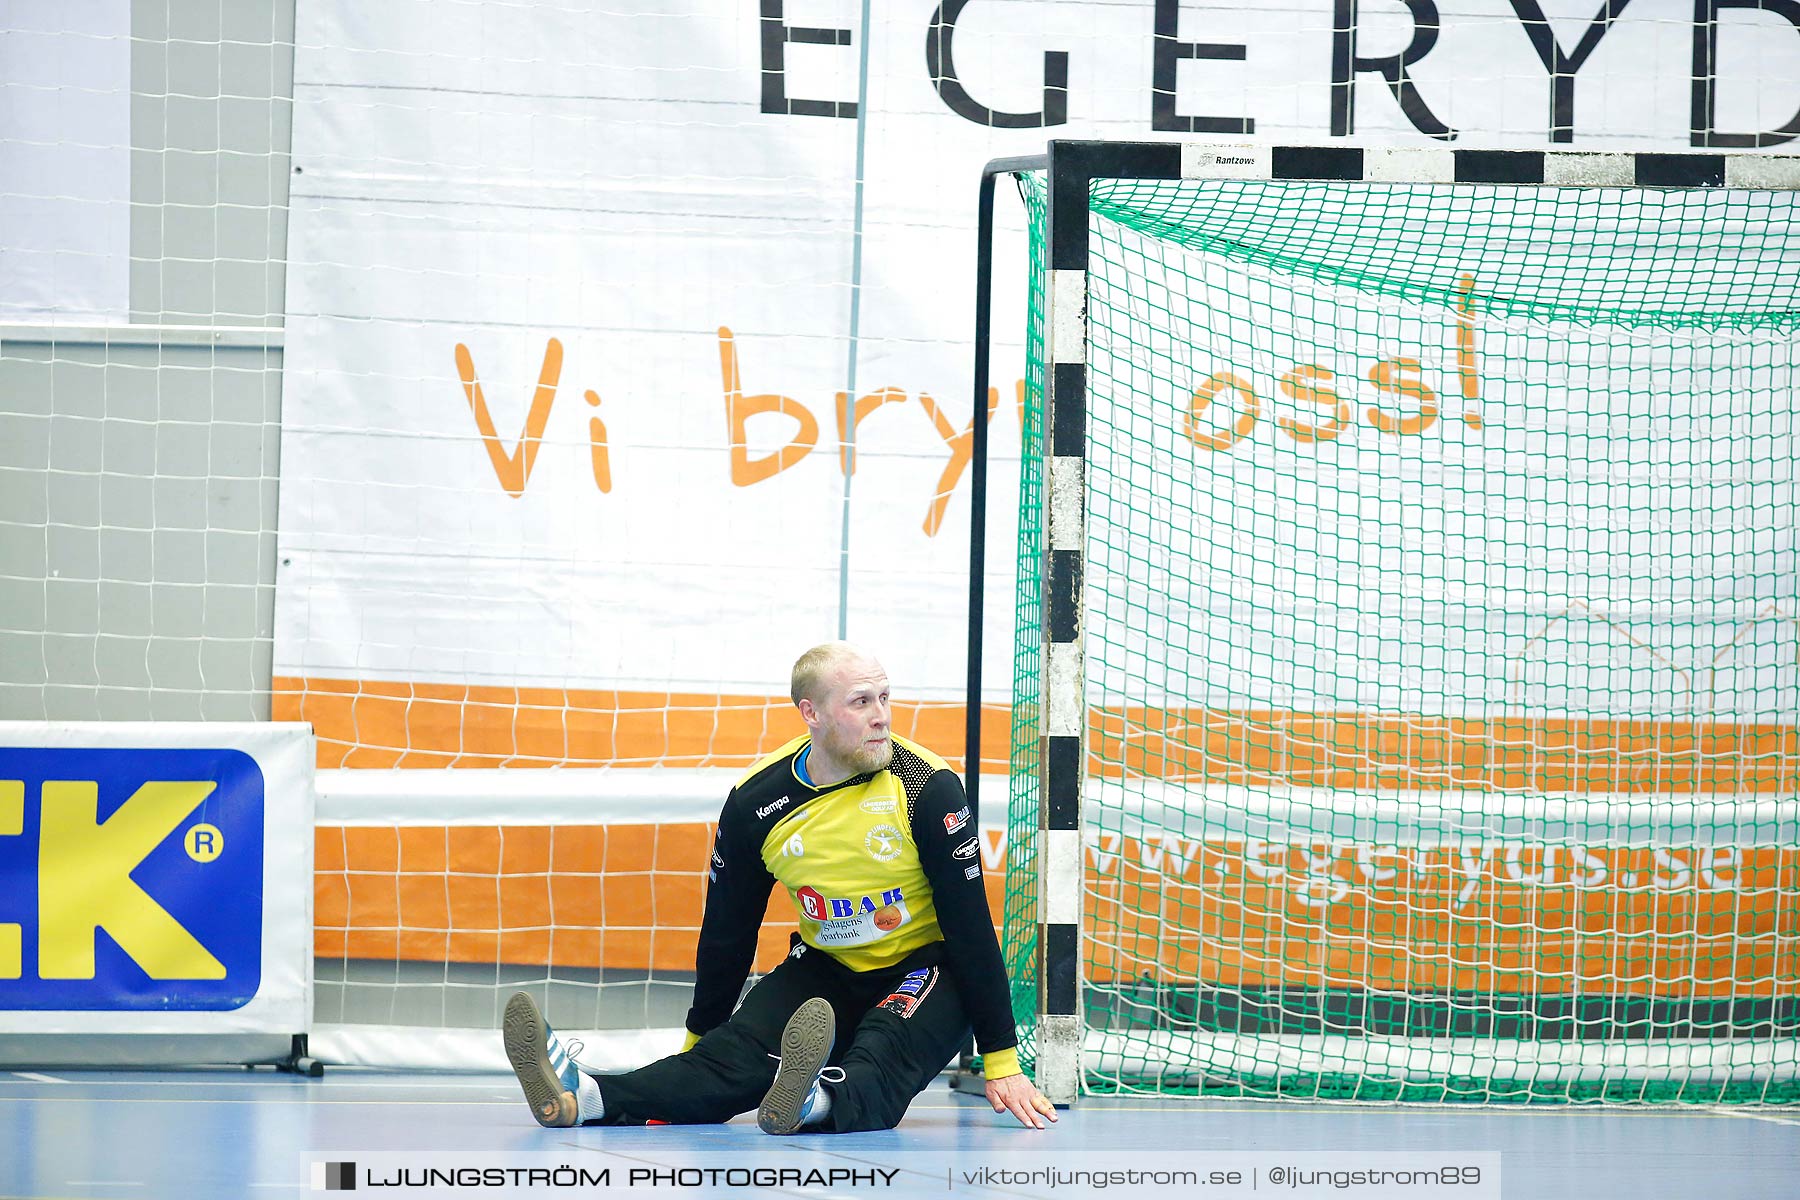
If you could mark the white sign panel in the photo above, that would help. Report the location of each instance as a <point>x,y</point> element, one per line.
<point>155,878</point>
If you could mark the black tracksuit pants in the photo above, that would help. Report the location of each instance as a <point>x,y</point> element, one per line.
<point>896,1029</point>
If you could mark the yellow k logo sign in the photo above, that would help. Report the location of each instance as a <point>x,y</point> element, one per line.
<point>85,884</point>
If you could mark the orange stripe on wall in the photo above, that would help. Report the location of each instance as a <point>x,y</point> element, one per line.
<point>1699,922</point>
<point>1706,922</point>
<point>387,724</point>
<point>364,723</point>
<point>619,896</point>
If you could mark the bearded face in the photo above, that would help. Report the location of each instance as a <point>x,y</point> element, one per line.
<point>863,755</point>
<point>850,723</point>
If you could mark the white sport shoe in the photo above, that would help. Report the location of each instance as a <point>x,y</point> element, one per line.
<point>546,1070</point>
<point>806,1043</point>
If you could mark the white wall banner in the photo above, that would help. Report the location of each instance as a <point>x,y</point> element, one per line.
<point>65,161</point>
<point>576,292</point>
<point>155,878</point>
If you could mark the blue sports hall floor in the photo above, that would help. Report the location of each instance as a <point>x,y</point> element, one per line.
<point>238,1133</point>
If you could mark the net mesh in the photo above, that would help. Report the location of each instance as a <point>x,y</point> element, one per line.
<point>1441,643</point>
<point>1019,914</point>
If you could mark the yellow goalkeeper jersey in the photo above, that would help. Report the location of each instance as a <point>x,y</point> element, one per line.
<point>878,866</point>
<point>849,861</point>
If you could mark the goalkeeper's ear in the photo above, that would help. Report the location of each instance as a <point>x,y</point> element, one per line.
<point>690,1041</point>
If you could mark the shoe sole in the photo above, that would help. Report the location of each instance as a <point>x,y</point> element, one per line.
<point>805,1044</point>
<point>526,1049</point>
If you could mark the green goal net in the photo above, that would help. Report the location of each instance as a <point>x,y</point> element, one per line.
<point>1441,642</point>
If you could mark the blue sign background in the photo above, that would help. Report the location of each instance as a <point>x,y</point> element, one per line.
<point>219,903</point>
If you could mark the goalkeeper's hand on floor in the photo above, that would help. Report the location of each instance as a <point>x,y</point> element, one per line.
<point>1017,1095</point>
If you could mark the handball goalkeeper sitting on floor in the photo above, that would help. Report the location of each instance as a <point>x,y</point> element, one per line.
<point>872,837</point>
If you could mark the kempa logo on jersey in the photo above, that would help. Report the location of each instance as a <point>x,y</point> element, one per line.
<point>159,850</point>
<point>773,806</point>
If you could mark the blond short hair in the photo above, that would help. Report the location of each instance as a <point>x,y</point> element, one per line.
<point>811,668</point>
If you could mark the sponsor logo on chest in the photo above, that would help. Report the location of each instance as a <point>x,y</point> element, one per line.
<point>853,920</point>
<point>835,908</point>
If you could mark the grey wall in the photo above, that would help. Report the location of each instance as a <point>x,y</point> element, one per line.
<point>138,465</point>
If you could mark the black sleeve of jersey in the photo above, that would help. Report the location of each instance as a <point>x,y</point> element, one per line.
<point>960,896</point>
<point>736,898</point>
